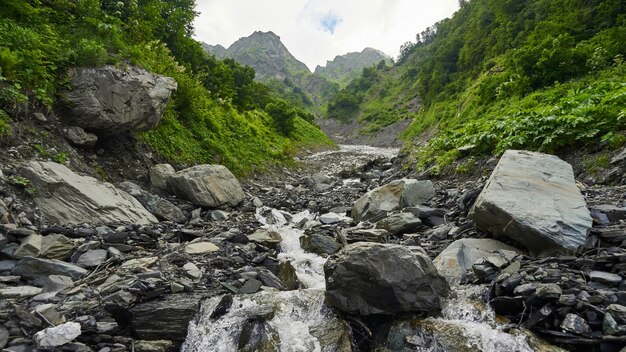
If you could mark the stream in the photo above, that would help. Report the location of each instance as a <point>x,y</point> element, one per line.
<point>298,320</point>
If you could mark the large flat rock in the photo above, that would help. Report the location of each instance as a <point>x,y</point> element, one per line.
<point>533,199</point>
<point>377,203</point>
<point>65,197</point>
<point>207,186</point>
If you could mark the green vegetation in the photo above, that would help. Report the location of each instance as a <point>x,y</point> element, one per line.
<point>540,74</point>
<point>218,113</point>
<point>5,124</point>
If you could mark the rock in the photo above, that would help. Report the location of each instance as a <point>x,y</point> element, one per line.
<point>257,202</point>
<point>30,247</point>
<point>192,271</point>
<point>319,244</point>
<point>398,224</point>
<point>605,278</point>
<point>111,100</point>
<point>613,213</point>
<point>548,291</point>
<point>65,197</point>
<point>287,275</point>
<point>57,335</point>
<point>92,258</point>
<point>4,336</point>
<point>331,218</point>
<point>455,262</point>
<point>159,174</point>
<point>268,238</point>
<point>56,246</point>
<point>251,286</point>
<point>371,278</point>
<point>375,204</point>
<point>20,291</point>
<point>366,235</point>
<point>153,346</point>
<point>207,185</point>
<point>38,269</point>
<point>78,137</point>
<point>56,283</point>
<point>609,325</point>
<point>169,317</point>
<point>219,215</point>
<point>139,264</point>
<point>575,324</point>
<point>618,312</point>
<point>533,199</point>
<point>164,209</point>
<point>201,248</point>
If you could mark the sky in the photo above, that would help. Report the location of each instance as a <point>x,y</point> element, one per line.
<point>315,31</point>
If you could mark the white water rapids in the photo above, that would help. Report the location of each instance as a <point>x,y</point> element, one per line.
<point>291,320</point>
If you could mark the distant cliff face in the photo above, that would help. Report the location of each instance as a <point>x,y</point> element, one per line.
<point>264,52</point>
<point>345,68</point>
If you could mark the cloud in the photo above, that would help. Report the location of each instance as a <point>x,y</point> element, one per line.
<point>329,22</point>
<point>315,31</point>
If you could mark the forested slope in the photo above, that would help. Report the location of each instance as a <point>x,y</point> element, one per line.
<point>219,113</point>
<point>539,74</point>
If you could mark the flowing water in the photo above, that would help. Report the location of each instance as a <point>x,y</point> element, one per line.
<point>298,321</point>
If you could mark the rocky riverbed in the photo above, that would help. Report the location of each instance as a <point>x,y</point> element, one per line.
<point>347,252</point>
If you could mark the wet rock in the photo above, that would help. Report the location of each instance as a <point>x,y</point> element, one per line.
<point>376,204</point>
<point>319,244</point>
<point>57,335</point>
<point>207,185</point>
<point>605,278</point>
<point>287,275</point>
<point>268,238</point>
<point>159,174</point>
<point>92,258</point>
<point>575,324</point>
<point>371,278</point>
<point>38,269</point>
<point>201,248</point>
<point>533,199</point>
<point>113,100</point>
<point>257,335</point>
<point>78,137</point>
<point>398,224</point>
<point>65,197</point>
<point>455,262</point>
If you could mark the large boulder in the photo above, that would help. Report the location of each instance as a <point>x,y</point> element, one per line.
<point>375,204</point>
<point>111,100</point>
<point>372,278</point>
<point>67,198</point>
<point>533,199</point>
<point>456,261</point>
<point>207,186</point>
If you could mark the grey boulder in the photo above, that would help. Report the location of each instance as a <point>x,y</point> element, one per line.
<point>456,261</point>
<point>111,100</point>
<point>400,223</point>
<point>533,199</point>
<point>65,197</point>
<point>159,174</point>
<point>372,278</point>
<point>78,137</point>
<point>377,203</point>
<point>210,186</point>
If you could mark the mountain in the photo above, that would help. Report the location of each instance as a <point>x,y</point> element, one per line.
<point>345,68</point>
<point>542,75</point>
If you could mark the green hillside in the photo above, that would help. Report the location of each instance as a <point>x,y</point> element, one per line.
<point>539,74</point>
<point>219,113</point>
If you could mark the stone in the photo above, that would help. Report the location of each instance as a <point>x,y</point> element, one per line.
<point>58,335</point>
<point>20,291</point>
<point>40,117</point>
<point>139,264</point>
<point>455,262</point>
<point>618,312</point>
<point>210,186</point>
<point>257,202</point>
<point>38,269</point>
<point>605,278</point>
<point>612,213</point>
<point>251,286</point>
<point>67,198</point>
<point>331,218</point>
<point>287,275</point>
<point>319,244</point>
<point>92,258</point>
<point>56,283</point>
<point>201,248</point>
<point>30,247</point>
<point>192,271</point>
<point>268,238</point>
<point>153,346</point>
<point>371,278</point>
<point>533,199</point>
<point>56,246</point>
<point>398,224</point>
<point>109,100</point>
<point>609,325</point>
<point>377,203</point>
<point>159,174</point>
<point>548,291</point>
<point>4,336</point>
<point>575,324</point>
<point>219,215</point>
<point>366,235</point>
<point>164,209</point>
<point>78,137</point>
<point>169,317</point>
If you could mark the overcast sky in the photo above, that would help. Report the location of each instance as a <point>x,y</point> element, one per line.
<point>315,31</point>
